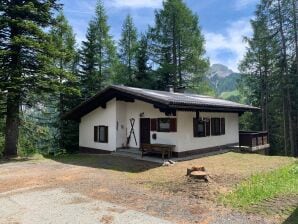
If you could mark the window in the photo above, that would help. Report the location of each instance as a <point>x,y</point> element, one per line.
<point>101,134</point>
<point>164,124</point>
<point>205,126</point>
<point>215,126</point>
<point>218,126</point>
<point>201,127</point>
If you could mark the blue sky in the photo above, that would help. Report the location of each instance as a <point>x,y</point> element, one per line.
<point>223,22</point>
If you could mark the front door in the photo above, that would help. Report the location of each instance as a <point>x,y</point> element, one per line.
<point>145,131</point>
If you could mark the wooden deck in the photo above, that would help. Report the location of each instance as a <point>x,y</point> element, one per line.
<point>253,140</point>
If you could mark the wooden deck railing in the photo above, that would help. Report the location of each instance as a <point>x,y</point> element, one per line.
<point>253,138</point>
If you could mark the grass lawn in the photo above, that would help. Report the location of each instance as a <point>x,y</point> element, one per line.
<point>233,165</point>
<point>262,186</point>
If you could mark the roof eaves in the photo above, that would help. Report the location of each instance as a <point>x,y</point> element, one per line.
<point>141,95</point>
<point>194,105</point>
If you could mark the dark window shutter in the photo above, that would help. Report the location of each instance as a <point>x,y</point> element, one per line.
<point>153,124</point>
<point>207,123</point>
<point>195,127</point>
<point>106,134</point>
<point>173,125</point>
<point>222,126</point>
<point>95,133</point>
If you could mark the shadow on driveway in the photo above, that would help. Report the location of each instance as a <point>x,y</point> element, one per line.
<point>293,218</point>
<point>104,161</point>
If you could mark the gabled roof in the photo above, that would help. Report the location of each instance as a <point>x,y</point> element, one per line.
<point>160,99</point>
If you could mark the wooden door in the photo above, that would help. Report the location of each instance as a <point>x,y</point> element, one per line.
<point>145,130</point>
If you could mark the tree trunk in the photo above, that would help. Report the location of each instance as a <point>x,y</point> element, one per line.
<point>179,63</point>
<point>295,22</point>
<point>13,100</point>
<point>285,125</point>
<point>129,57</point>
<point>295,19</point>
<point>174,51</point>
<point>12,125</point>
<point>287,95</point>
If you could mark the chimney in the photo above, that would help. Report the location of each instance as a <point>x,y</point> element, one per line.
<point>171,88</point>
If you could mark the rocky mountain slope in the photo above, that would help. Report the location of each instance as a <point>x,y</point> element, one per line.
<point>224,82</point>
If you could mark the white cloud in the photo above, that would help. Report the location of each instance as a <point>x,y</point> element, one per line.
<point>241,4</point>
<point>230,42</point>
<point>135,3</point>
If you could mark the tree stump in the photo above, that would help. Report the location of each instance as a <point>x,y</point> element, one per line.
<point>197,173</point>
<point>195,168</point>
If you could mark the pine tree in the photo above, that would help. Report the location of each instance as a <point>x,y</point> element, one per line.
<point>178,45</point>
<point>144,75</point>
<point>98,55</point>
<point>63,40</point>
<point>271,68</point>
<point>128,45</point>
<point>25,59</point>
<point>257,82</point>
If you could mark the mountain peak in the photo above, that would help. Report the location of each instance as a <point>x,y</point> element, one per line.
<point>220,70</point>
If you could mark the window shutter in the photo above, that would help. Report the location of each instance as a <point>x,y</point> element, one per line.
<point>195,127</point>
<point>222,126</point>
<point>207,123</point>
<point>153,124</point>
<point>95,133</point>
<point>173,125</point>
<point>106,133</point>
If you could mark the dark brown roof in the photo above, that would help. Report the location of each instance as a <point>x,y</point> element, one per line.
<point>160,99</point>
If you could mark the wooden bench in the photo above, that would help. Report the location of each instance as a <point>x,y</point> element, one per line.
<point>162,149</point>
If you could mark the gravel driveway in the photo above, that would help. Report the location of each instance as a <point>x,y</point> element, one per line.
<point>58,206</point>
<point>109,189</point>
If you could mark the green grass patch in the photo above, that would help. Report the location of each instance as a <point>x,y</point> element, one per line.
<point>263,186</point>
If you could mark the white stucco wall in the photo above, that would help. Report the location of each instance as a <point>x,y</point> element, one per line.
<point>122,124</point>
<point>133,110</point>
<point>120,112</point>
<point>96,117</point>
<point>186,141</point>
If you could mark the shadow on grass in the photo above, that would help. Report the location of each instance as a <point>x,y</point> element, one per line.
<point>14,160</point>
<point>105,161</point>
<point>293,218</point>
